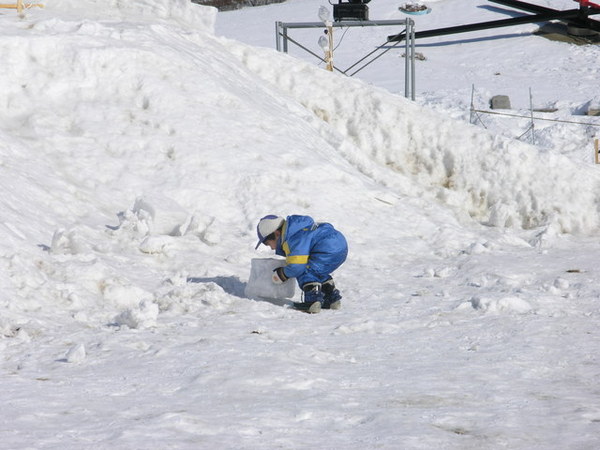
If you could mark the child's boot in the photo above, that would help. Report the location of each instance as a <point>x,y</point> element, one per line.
<point>313,298</point>
<point>332,299</point>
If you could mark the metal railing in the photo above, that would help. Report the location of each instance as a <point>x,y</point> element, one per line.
<point>283,39</point>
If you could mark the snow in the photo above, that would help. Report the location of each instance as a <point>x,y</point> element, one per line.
<point>140,143</point>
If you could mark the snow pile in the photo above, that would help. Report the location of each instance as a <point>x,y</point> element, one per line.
<point>495,180</point>
<point>182,12</point>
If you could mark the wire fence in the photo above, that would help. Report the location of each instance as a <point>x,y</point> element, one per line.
<point>475,117</point>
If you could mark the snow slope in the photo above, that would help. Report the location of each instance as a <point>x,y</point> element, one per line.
<point>138,151</point>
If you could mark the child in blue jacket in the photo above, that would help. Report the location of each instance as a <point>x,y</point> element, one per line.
<point>312,252</point>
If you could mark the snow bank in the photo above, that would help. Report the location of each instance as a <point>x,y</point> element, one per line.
<point>197,17</point>
<point>494,180</point>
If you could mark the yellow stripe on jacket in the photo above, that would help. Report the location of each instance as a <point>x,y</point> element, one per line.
<point>297,259</point>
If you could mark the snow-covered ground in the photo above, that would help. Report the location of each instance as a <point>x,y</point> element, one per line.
<point>141,141</point>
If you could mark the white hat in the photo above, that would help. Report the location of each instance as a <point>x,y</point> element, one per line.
<point>266,226</point>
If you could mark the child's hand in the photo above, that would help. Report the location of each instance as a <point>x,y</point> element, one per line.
<point>278,276</point>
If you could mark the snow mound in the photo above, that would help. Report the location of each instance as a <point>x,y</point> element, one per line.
<point>501,305</point>
<point>492,179</point>
<point>181,11</point>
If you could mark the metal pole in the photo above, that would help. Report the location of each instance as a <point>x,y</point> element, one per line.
<point>472,104</point>
<point>278,36</point>
<point>330,51</point>
<point>285,39</point>
<point>406,59</point>
<point>532,123</point>
<point>412,59</point>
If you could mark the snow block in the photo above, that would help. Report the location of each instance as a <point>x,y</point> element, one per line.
<point>260,284</point>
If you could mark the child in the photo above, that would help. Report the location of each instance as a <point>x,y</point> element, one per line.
<point>312,250</point>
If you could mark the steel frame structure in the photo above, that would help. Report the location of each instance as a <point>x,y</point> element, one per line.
<point>282,39</point>
<point>578,17</point>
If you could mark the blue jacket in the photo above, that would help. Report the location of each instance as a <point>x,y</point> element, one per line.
<point>312,250</point>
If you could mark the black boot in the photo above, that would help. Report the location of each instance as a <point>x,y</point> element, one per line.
<point>332,299</point>
<point>313,298</point>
